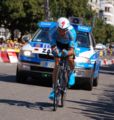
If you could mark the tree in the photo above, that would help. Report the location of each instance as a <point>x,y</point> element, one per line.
<point>109,32</point>
<point>68,8</point>
<point>103,32</point>
<point>22,14</point>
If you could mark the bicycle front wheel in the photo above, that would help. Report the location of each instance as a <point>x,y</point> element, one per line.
<point>56,92</point>
<point>55,101</point>
<point>63,84</point>
<point>63,96</point>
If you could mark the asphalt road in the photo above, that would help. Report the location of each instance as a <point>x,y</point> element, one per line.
<point>30,101</point>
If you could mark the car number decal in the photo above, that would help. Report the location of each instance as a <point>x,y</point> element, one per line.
<point>48,51</point>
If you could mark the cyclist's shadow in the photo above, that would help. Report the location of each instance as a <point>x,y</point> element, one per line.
<point>45,106</point>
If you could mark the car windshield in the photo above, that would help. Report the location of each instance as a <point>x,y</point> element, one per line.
<point>83,39</point>
<point>42,36</point>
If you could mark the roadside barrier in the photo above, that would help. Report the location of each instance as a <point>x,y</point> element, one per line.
<point>4,56</point>
<point>9,55</point>
<point>12,57</point>
<point>105,62</point>
<point>1,57</point>
<point>112,61</point>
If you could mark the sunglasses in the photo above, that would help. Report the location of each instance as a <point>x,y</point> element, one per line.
<point>62,30</point>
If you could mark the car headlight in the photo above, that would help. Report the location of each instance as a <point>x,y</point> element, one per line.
<point>82,60</point>
<point>27,53</point>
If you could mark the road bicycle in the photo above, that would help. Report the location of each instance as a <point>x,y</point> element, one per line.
<point>60,85</point>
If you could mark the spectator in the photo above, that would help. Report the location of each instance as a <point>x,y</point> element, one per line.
<point>17,34</point>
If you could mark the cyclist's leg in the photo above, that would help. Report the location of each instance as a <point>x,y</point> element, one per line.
<point>72,74</point>
<point>51,96</point>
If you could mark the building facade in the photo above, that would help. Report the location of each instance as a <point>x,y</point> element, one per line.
<point>104,8</point>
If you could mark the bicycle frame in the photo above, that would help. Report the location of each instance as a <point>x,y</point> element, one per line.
<point>61,83</point>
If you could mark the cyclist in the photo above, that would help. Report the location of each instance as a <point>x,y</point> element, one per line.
<point>62,40</point>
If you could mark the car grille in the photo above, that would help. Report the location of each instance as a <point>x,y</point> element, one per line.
<point>30,62</point>
<point>35,68</point>
<point>44,56</point>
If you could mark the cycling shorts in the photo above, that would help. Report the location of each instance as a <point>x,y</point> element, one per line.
<point>61,46</point>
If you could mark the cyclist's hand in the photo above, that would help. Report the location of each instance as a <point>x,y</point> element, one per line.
<point>64,53</point>
<point>55,52</point>
<point>59,54</point>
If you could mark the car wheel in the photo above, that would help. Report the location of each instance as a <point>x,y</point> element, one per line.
<point>19,76</point>
<point>95,81</point>
<point>89,84</point>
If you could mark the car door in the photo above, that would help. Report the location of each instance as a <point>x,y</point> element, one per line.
<point>96,58</point>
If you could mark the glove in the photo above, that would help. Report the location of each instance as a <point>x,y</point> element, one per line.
<point>64,53</point>
<point>59,54</point>
<point>55,53</point>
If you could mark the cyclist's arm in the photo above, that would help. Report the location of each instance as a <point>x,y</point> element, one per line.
<point>72,34</point>
<point>52,38</point>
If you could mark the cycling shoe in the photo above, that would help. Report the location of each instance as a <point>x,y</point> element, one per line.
<point>51,95</point>
<point>71,79</point>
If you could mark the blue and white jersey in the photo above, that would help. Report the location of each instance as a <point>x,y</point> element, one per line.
<point>69,37</point>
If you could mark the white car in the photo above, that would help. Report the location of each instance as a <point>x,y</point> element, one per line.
<point>100,46</point>
<point>36,59</point>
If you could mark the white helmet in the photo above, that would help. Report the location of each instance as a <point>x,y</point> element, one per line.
<point>63,23</point>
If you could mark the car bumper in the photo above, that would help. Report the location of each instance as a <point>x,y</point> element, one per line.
<point>83,72</point>
<point>34,68</point>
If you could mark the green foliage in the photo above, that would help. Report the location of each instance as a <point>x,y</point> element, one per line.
<point>68,8</point>
<point>24,15</point>
<point>21,14</point>
<point>103,32</point>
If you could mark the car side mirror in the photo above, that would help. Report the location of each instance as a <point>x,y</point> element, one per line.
<point>26,38</point>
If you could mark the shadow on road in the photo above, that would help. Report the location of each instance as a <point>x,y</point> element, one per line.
<point>108,69</point>
<point>39,81</point>
<point>103,109</point>
<point>36,106</point>
<point>7,78</point>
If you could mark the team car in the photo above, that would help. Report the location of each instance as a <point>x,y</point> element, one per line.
<point>87,60</point>
<point>36,59</point>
